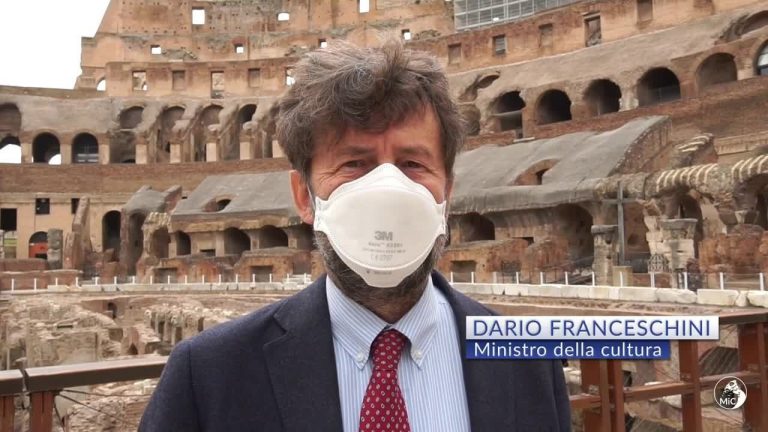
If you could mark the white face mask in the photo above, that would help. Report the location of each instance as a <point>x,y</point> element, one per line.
<point>382,225</point>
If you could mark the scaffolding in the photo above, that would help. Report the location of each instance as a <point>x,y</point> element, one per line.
<point>475,13</point>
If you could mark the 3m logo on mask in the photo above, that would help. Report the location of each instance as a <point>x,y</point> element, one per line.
<point>383,235</point>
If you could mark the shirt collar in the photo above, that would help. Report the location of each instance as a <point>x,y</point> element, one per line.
<point>355,327</point>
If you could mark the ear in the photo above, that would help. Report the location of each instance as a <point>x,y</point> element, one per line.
<point>301,198</point>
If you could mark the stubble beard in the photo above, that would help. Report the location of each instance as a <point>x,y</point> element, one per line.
<point>403,295</point>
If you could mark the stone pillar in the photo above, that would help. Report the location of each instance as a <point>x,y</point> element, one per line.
<point>55,248</point>
<point>141,155</point>
<point>211,152</point>
<point>606,252</point>
<point>299,238</point>
<point>176,152</point>
<point>26,152</point>
<point>2,244</point>
<point>247,149</point>
<point>678,244</point>
<point>104,155</point>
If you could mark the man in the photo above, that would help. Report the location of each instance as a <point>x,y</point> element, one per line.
<point>377,344</point>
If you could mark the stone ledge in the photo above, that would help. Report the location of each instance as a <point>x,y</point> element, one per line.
<point>638,294</point>
<point>717,297</point>
<point>673,295</point>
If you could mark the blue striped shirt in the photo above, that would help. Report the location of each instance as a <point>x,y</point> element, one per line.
<point>430,372</point>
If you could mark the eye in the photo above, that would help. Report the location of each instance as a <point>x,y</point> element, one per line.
<point>353,164</point>
<point>411,165</point>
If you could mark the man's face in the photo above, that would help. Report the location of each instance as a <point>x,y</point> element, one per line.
<point>413,146</point>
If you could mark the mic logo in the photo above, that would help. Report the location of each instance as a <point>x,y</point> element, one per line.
<point>730,393</point>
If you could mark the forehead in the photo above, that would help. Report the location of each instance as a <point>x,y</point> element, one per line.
<point>418,132</point>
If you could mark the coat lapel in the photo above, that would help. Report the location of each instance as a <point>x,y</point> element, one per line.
<point>488,383</point>
<point>302,365</point>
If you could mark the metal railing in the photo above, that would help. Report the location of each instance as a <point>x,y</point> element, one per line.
<point>601,400</point>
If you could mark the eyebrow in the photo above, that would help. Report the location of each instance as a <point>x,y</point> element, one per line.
<point>416,151</point>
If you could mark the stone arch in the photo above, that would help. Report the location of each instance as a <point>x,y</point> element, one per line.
<point>217,204</point>
<point>476,227</point>
<point>208,117</point>
<point>508,110</point>
<point>470,93</point>
<point>132,350</point>
<point>553,106</point>
<point>761,60</point>
<point>102,85</point>
<point>271,236</point>
<point>110,230</point>
<point>236,241</point>
<point>656,86</point>
<point>131,117</point>
<point>603,96</point>
<point>10,150</point>
<point>575,225</point>
<point>716,69</point>
<point>534,175</point>
<point>183,244</point>
<point>38,245</point>
<point>756,21</point>
<point>244,116</point>
<point>85,149</point>
<point>45,147</point>
<point>135,240</point>
<point>168,119</point>
<point>10,120</point>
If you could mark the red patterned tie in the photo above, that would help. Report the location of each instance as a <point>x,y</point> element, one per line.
<point>383,405</point>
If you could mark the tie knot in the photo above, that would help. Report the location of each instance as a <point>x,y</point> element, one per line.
<point>387,348</point>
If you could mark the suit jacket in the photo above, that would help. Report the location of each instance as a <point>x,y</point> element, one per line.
<point>274,370</point>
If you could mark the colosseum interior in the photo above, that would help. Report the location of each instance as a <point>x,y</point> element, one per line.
<point>612,143</point>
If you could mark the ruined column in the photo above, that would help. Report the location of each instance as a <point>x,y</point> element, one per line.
<point>678,244</point>
<point>2,244</point>
<point>606,252</point>
<point>141,149</point>
<point>55,246</point>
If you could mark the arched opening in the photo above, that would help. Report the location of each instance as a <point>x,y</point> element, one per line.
<point>602,97</point>
<point>131,117</point>
<point>102,85</point>
<point>183,244</point>
<point>554,106</point>
<point>85,149</point>
<point>38,245</point>
<point>132,350</point>
<point>232,151</point>
<point>509,112</point>
<point>236,241</point>
<point>112,310</point>
<point>575,225</point>
<point>135,240</point>
<point>271,236</point>
<point>10,120</point>
<point>110,231</point>
<point>45,147</point>
<point>167,120</point>
<point>761,62</point>
<point>470,94</point>
<point>475,227</point>
<point>209,116</point>
<point>762,211</point>
<point>160,241</point>
<point>10,150</point>
<point>716,69</point>
<point>689,208</point>
<point>755,22</point>
<point>658,85</point>
<point>217,204</point>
